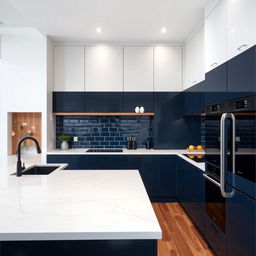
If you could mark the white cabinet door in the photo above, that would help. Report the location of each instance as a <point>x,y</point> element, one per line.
<point>138,68</point>
<point>215,37</point>
<point>104,68</point>
<point>194,60</point>
<point>241,26</point>
<point>167,68</point>
<point>68,68</point>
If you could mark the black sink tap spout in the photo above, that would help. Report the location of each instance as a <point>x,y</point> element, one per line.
<point>19,164</point>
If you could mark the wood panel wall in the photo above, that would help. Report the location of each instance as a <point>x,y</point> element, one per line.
<point>26,124</point>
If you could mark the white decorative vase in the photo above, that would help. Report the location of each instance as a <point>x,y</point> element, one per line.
<point>137,110</point>
<point>142,109</point>
<point>64,145</point>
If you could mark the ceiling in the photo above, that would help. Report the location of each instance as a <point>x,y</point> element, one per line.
<point>130,21</point>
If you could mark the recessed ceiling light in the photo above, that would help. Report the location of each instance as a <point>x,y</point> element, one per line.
<point>163,30</point>
<point>99,30</point>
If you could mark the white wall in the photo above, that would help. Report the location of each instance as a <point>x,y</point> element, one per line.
<point>50,119</point>
<point>22,78</point>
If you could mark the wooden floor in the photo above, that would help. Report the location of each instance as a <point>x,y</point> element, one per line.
<point>180,237</point>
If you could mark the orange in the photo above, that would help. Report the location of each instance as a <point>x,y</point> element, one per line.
<point>191,147</point>
<point>199,147</point>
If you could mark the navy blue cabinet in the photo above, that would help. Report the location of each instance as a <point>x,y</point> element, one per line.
<point>241,212</point>
<point>68,101</point>
<point>134,99</point>
<point>216,85</point>
<point>215,237</point>
<point>107,162</point>
<point>145,165</point>
<point>165,177</point>
<point>190,191</point>
<point>75,162</point>
<point>194,100</point>
<point>104,102</point>
<point>171,130</point>
<point>241,72</point>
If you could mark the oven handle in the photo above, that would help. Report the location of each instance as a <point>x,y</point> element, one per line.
<point>224,152</point>
<point>211,180</point>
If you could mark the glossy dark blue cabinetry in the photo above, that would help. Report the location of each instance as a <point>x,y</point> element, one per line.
<point>104,102</point>
<point>165,176</point>
<point>108,162</point>
<point>80,248</point>
<point>194,99</point>
<point>216,85</point>
<point>145,165</point>
<point>241,72</point>
<point>68,101</point>
<point>171,129</point>
<point>215,237</point>
<point>75,162</point>
<point>241,214</point>
<point>134,99</point>
<point>190,191</point>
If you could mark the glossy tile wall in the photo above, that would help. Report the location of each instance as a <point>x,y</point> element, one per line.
<point>104,131</point>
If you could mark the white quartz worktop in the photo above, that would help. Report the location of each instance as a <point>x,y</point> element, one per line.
<point>178,152</point>
<point>140,151</point>
<point>76,204</point>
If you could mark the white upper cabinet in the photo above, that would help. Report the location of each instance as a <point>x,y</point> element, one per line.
<point>194,60</point>
<point>241,26</point>
<point>104,68</point>
<point>215,37</point>
<point>138,68</point>
<point>68,68</point>
<point>167,68</point>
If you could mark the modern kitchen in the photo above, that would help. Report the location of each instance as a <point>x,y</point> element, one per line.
<point>128,128</point>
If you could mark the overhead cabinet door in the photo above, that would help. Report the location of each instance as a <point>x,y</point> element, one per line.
<point>167,68</point>
<point>104,68</point>
<point>138,69</point>
<point>215,37</point>
<point>69,68</point>
<point>194,60</point>
<point>241,24</point>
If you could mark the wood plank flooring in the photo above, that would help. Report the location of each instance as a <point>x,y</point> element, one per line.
<point>180,236</point>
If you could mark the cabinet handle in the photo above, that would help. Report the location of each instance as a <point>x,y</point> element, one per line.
<point>214,64</point>
<point>242,46</point>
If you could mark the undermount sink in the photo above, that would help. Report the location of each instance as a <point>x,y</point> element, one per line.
<point>40,170</point>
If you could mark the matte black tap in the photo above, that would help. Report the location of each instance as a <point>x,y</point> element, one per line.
<point>19,164</point>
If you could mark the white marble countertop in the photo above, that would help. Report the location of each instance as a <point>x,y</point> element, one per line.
<point>139,151</point>
<point>178,152</point>
<point>76,204</point>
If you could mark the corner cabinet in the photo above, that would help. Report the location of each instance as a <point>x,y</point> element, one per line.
<point>68,68</point>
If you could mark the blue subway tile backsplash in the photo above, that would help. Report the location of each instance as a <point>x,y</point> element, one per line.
<point>104,131</point>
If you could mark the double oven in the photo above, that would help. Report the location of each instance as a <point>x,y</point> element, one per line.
<point>230,154</point>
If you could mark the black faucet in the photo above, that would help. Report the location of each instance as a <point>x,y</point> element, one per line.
<point>19,166</point>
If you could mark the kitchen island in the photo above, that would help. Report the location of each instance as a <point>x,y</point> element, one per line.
<point>77,212</point>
